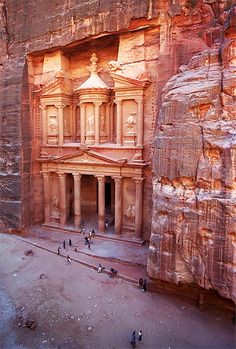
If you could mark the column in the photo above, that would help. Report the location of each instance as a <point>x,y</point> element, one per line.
<point>73,122</point>
<point>46,191</point>
<point>111,116</point>
<point>118,203</point>
<point>77,199</point>
<point>82,123</point>
<point>97,123</point>
<point>140,123</point>
<point>101,203</point>
<point>138,207</point>
<point>118,122</point>
<point>60,125</point>
<point>62,191</point>
<point>44,124</point>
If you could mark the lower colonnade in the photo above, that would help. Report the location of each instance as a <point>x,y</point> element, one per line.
<point>100,199</point>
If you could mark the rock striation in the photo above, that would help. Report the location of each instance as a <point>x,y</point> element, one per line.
<point>193,226</point>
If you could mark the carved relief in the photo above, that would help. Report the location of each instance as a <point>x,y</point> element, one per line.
<point>66,121</point>
<point>131,121</point>
<point>90,123</point>
<point>103,121</point>
<point>130,212</point>
<point>52,125</point>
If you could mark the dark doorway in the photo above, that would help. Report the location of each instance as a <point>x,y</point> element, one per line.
<point>108,197</point>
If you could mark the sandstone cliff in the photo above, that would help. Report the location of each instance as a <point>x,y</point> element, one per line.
<point>193,226</point>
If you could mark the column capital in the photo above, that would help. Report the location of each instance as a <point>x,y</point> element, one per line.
<point>42,107</point>
<point>97,103</point>
<point>117,101</point>
<point>61,175</point>
<point>101,178</point>
<point>139,100</point>
<point>117,179</point>
<point>77,175</point>
<point>81,104</point>
<point>60,106</point>
<point>45,173</point>
<point>138,180</point>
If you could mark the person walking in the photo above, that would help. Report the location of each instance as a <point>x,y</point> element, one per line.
<point>133,340</point>
<point>140,336</point>
<point>70,243</point>
<point>64,244</point>
<point>89,244</point>
<point>59,251</point>
<point>68,259</point>
<point>140,282</point>
<point>144,285</point>
<point>86,240</point>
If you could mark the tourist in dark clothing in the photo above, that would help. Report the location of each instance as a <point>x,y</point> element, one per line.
<point>113,272</point>
<point>70,243</point>
<point>59,250</point>
<point>140,336</point>
<point>64,244</point>
<point>89,244</point>
<point>144,285</point>
<point>86,240</point>
<point>133,340</point>
<point>140,282</point>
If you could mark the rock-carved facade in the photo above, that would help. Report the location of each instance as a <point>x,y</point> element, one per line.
<point>91,151</point>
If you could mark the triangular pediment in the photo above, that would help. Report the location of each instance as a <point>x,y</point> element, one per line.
<point>122,81</point>
<point>57,87</point>
<point>88,157</point>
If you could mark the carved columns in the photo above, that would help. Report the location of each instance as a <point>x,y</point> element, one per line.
<point>140,123</point>
<point>82,123</point>
<point>111,126</point>
<point>118,122</point>
<point>77,199</point>
<point>118,203</point>
<point>44,124</point>
<point>138,207</point>
<point>60,125</point>
<point>97,123</point>
<point>46,190</point>
<point>73,122</point>
<point>101,203</point>
<point>62,191</point>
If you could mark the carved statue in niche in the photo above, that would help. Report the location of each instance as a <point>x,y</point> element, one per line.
<point>90,123</point>
<point>52,125</point>
<point>130,212</point>
<point>102,121</point>
<point>130,122</point>
<point>66,124</point>
<point>55,207</point>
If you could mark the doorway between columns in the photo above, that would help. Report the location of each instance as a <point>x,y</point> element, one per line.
<point>90,202</point>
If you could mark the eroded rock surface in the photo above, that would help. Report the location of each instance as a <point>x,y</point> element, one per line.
<point>193,226</point>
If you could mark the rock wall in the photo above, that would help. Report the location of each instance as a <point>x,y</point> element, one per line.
<point>193,227</point>
<point>193,163</point>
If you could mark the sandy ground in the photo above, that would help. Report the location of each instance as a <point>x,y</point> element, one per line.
<point>75,307</point>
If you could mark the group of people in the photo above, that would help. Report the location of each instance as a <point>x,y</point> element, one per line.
<point>139,338</point>
<point>88,238</point>
<point>68,259</point>
<point>112,270</point>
